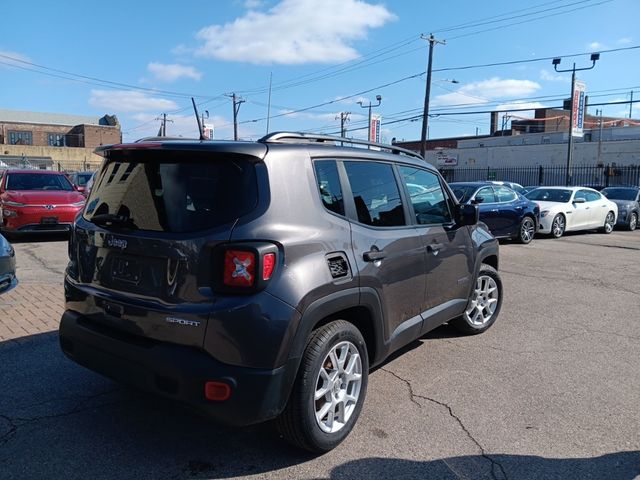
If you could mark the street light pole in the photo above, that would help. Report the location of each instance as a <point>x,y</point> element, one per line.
<point>425,115</point>
<point>361,103</point>
<point>573,70</point>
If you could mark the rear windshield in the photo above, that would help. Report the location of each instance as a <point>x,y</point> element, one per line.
<point>172,196</point>
<point>620,193</point>
<point>37,181</point>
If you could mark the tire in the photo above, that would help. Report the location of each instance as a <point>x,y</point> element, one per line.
<point>302,422</point>
<point>484,304</point>
<point>558,226</point>
<point>609,223</point>
<point>527,230</point>
<point>633,222</point>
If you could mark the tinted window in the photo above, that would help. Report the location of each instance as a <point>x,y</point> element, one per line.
<point>329,185</point>
<point>426,195</point>
<point>549,195</point>
<point>487,195</point>
<point>462,192</point>
<point>81,179</point>
<point>505,194</point>
<point>592,196</point>
<point>581,194</point>
<point>375,194</point>
<point>37,181</point>
<point>614,193</point>
<point>174,195</point>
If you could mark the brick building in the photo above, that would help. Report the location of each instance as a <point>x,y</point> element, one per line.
<point>57,130</point>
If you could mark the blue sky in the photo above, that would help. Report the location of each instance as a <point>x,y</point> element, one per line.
<point>141,59</point>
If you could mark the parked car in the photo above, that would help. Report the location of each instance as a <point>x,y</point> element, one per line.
<point>564,209</point>
<point>628,201</point>
<point>516,187</point>
<point>260,280</point>
<point>8,278</point>
<point>507,214</point>
<point>80,180</point>
<point>37,201</point>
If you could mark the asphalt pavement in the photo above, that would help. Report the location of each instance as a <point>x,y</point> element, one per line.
<point>552,390</point>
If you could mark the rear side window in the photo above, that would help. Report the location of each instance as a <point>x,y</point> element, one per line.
<point>173,196</point>
<point>375,194</point>
<point>505,194</point>
<point>329,185</point>
<point>487,195</point>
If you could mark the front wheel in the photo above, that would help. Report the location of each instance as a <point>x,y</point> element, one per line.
<point>558,226</point>
<point>329,390</point>
<point>609,223</point>
<point>484,304</point>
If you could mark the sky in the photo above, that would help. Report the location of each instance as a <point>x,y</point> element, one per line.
<point>296,65</point>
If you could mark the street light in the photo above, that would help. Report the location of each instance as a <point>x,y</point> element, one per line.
<point>555,62</point>
<point>361,103</point>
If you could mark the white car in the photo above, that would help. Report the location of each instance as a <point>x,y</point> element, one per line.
<point>564,209</point>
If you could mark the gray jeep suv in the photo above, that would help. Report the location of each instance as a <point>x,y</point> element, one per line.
<point>262,280</point>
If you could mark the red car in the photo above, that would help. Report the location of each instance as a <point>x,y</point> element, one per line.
<point>37,201</point>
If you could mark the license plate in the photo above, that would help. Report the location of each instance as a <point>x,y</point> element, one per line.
<point>126,270</point>
<point>49,220</point>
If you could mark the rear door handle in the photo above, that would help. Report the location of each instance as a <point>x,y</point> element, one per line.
<point>373,255</point>
<point>434,247</point>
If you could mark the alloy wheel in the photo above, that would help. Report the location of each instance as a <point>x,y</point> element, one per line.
<point>338,387</point>
<point>609,222</point>
<point>484,301</point>
<point>558,226</point>
<point>527,230</point>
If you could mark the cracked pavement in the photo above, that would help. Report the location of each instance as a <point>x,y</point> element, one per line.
<point>550,391</point>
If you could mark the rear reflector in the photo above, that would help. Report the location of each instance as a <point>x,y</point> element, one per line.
<point>217,391</point>
<point>268,264</point>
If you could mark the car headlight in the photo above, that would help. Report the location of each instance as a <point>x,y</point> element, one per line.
<point>9,213</point>
<point>544,213</point>
<point>9,203</point>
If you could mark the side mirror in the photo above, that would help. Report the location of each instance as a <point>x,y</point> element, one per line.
<point>579,200</point>
<point>477,200</point>
<point>466,214</point>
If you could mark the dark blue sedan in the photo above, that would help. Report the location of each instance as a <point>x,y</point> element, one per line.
<point>506,213</point>
<point>7,266</point>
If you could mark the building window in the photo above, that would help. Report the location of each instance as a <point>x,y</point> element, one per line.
<point>56,139</point>
<point>19,138</point>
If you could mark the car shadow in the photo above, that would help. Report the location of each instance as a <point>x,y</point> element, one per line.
<point>36,237</point>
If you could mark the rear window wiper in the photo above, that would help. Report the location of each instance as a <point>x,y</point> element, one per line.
<point>113,220</point>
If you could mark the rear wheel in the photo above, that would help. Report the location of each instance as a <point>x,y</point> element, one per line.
<point>609,223</point>
<point>527,230</point>
<point>484,304</point>
<point>558,226</point>
<point>329,391</point>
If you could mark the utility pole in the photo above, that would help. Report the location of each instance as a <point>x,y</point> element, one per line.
<point>599,137</point>
<point>236,108</point>
<point>344,118</point>
<point>425,116</point>
<point>361,103</point>
<point>556,61</point>
<point>631,104</point>
<point>163,125</point>
<point>269,103</point>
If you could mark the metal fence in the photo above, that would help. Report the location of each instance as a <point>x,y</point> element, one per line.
<point>585,175</point>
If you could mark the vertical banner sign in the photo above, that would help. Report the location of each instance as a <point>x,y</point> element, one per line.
<point>208,131</point>
<point>578,108</point>
<point>374,128</point>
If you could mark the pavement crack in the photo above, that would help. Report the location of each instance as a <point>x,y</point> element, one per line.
<point>34,256</point>
<point>10,433</point>
<point>495,465</point>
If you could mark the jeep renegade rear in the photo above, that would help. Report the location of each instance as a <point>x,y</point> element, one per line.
<point>261,280</point>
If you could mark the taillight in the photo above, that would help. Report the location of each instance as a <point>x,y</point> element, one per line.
<point>244,267</point>
<point>239,268</point>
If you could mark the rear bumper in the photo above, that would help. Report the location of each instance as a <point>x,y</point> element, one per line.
<point>177,372</point>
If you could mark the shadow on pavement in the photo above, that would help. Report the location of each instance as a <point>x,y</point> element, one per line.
<point>36,237</point>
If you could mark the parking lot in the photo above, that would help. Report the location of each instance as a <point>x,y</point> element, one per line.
<point>552,390</point>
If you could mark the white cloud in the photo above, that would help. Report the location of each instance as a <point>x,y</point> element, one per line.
<point>553,77</point>
<point>478,93</point>
<point>624,41</point>
<point>252,4</point>
<point>119,101</point>
<point>171,72</point>
<point>294,32</point>
<point>19,58</point>
<point>520,114</point>
<point>596,46</point>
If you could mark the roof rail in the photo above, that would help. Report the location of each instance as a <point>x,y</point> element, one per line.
<point>160,139</point>
<point>292,137</point>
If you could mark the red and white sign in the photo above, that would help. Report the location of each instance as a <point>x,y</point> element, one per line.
<point>578,108</point>
<point>374,128</point>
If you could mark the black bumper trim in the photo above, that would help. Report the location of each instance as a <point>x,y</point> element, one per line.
<point>179,372</point>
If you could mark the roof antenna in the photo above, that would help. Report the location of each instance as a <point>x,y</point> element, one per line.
<point>195,109</point>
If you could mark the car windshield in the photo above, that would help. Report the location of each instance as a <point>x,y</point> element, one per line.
<point>549,195</point>
<point>37,181</point>
<point>463,192</point>
<point>620,193</point>
<point>83,178</point>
